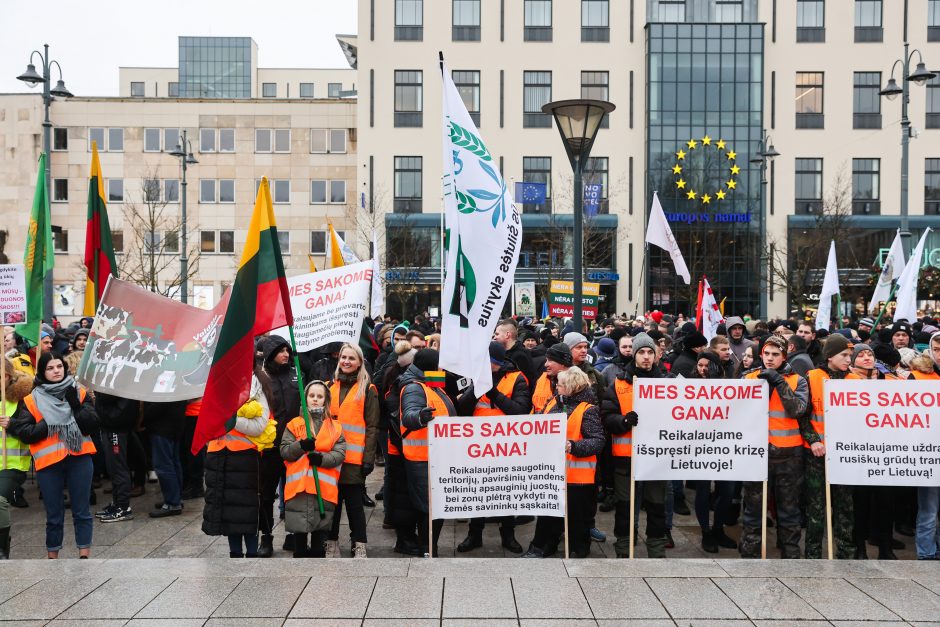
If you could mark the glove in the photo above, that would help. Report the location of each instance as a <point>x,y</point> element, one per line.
<point>71,396</point>
<point>315,457</point>
<point>307,445</point>
<point>426,415</point>
<point>230,423</point>
<point>367,469</point>
<point>630,420</point>
<point>771,376</point>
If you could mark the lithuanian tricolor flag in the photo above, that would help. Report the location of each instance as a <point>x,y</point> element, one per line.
<point>259,303</point>
<point>99,249</point>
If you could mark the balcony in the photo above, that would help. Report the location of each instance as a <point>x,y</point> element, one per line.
<point>536,120</point>
<point>409,119</point>
<point>866,207</point>
<point>465,33</point>
<point>410,33</point>
<point>407,205</point>
<point>866,120</point>
<point>595,33</point>
<point>868,34</point>
<point>808,207</point>
<point>810,120</point>
<point>810,34</point>
<point>538,33</point>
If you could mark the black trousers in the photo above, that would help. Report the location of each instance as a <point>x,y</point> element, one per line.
<point>351,494</point>
<point>193,465</point>
<point>582,504</point>
<point>10,480</point>
<point>873,507</point>
<point>506,524</point>
<point>398,508</point>
<point>271,471</point>
<point>115,456</point>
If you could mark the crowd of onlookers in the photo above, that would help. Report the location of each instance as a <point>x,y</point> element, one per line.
<point>316,425</point>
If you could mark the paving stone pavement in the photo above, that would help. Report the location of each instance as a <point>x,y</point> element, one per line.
<point>182,536</point>
<point>187,579</point>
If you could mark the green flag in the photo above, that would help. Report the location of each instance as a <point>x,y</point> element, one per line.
<point>38,257</point>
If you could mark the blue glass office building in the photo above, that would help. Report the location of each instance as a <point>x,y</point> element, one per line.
<point>704,126</point>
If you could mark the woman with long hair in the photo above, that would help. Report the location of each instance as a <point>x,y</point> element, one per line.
<point>355,403</point>
<point>57,419</point>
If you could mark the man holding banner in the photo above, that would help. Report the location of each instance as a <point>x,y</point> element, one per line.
<point>788,402</point>
<point>619,420</point>
<point>837,353</point>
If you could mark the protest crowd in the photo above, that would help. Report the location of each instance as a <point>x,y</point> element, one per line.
<point>370,405</point>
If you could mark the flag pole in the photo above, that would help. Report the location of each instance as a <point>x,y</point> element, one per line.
<point>306,415</point>
<point>3,402</point>
<point>884,307</point>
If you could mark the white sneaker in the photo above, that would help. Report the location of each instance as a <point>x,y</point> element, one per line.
<point>151,477</point>
<point>359,550</point>
<point>331,547</point>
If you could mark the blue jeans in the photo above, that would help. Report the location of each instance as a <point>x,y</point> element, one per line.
<point>928,537</point>
<point>74,472</point>
<point>169,468</point>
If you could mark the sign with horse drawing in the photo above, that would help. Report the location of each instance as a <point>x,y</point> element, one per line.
<point>148,347</point>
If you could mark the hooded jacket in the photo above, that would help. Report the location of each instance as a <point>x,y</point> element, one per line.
<point>413,399</point>
<point>737,346</point>
<point>285,404</point>
<point>520,401</point>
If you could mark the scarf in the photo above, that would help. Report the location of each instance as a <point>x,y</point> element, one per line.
<point>55,410</point>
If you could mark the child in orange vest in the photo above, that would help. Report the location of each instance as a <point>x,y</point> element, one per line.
<point>326,452</point>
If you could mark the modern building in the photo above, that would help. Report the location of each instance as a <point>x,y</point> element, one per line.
<point>297,127</point>
<point>707,91</point>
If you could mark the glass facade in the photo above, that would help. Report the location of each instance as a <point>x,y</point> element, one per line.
<point>705,121</point>
<point>215,67</point>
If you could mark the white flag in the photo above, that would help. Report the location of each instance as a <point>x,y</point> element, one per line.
<point>659,233</point>
<point>483,233</point>
<point>890,270</point>
<point>907,284</point>
<point>830,288</point>
<point>378,294</point>
<point>338,251</point>
<point>711,315</point>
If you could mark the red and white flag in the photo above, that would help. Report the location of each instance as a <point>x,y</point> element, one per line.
<point>709,314</point>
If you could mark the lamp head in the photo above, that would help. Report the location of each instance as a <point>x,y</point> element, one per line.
<point>178,151</point>
<point>190,159</point>
<point>578,122</point>
<point>60,90</point>
<point>31,76</point>
<point>921,75</point>
<point>770,153</point>
<point>892,90</point>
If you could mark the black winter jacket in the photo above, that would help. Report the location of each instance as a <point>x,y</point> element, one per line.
<point>413,399</point>
<point>519,403</point>
<point>116,414</point>
<point>285,406</point>
<point>592,433</point>
<point>610,406</point>
<point>231,493</point>
<point>167,420</point>
<point>25,427</point>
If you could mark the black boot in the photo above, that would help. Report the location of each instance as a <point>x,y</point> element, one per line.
<point>5,543</point>
<point>509,541</point>
<point>722,538</point>
<point>288,542</point>
<point>885,552</point>
<point>473,540</point>
<point>300,546</point>
<point>709,543</point>
<point>266,546</point>
<point>861,552</point>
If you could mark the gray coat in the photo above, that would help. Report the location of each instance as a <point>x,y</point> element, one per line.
<point>301,513</point>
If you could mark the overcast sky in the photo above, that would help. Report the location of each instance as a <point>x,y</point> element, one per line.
<point>92,39</point>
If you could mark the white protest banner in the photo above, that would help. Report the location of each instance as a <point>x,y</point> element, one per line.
<point>882,432</point>
<point>525,298</point>
<point>330,305</point>
<point>707,429</point>
<point>12,294</point>
<point>497,465</point>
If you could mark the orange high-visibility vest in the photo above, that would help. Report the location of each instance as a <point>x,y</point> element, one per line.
<point>923,376</point>
<point>234,441</point>
<point>783,431</point>
<point>485,406</point>
<point>51,450</point>
<point>542,394</point>
<point>579,469</point>
<point>194,407</point>
<point>300,474</point>
<point>817,378</point>
<point>352,415</point>
<point>622,443</point>
<point>415,444</point>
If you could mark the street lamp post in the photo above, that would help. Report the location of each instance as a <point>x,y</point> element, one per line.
<point>765,154</point>
<point>33,78</point>
<point>578,122</point>
<point>184,152</point>
<point>891,91</point>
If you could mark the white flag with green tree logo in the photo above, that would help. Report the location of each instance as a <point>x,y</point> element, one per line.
<point>483,234</point>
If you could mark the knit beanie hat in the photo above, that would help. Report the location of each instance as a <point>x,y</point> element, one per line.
<point>643,340</point>
<point>426,359</point>
<point>573,339</point>
<point>406,354</point>
<point>694,340</point>
<point>560,353</point>
<point>606,348</point>
<point>887,354</point>
<point>835,344</point>
<point>858,349</point>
